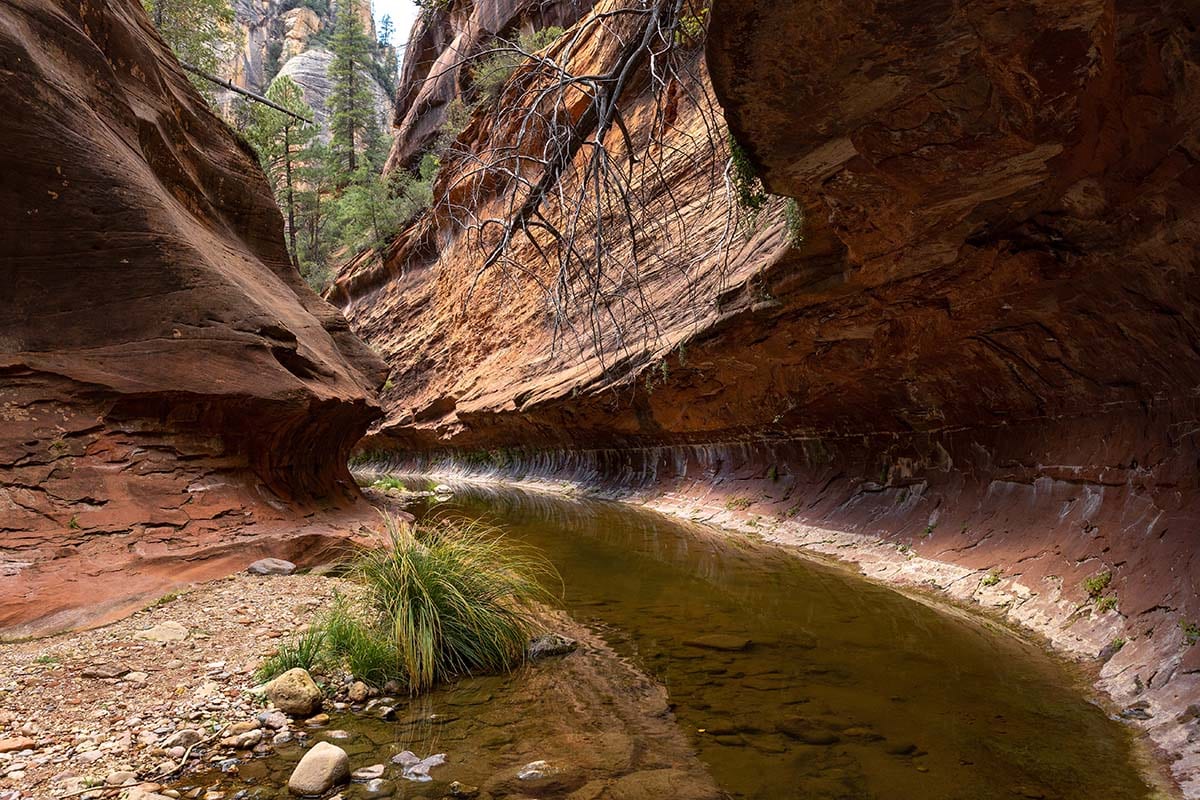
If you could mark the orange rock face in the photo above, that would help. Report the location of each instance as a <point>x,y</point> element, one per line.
<point>985,348</point>
<point>173,398</point>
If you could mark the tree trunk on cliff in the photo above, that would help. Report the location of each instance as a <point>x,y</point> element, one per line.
<point>291,197</point>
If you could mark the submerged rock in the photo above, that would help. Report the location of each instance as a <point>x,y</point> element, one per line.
<point>368,773</point>
<point>295,693</point>
<point>808,732</point>
<point>719,641</point>
<point>535,771</point>
<point>551,644</point>
<point>417,769</point>
<point>321,768</point>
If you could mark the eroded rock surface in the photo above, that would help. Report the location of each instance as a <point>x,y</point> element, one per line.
<point>173,398</point>
<point>984,349</point>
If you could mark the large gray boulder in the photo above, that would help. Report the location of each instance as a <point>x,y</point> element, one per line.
<point>271,566</point>
<point>310,70</point>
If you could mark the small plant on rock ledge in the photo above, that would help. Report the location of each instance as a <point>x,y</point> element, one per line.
<point>738,503</point>
<point>1191,632</point>
<point>1106,603</point>
<point>991,579</point>
<point>1096,584</point>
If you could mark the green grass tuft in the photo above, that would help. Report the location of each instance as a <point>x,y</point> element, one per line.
<point>304,651</point>
<point>440,600</point>
<point>388,482</point>
<point>991,579</point>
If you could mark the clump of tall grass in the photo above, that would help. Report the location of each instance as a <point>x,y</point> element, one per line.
<point>442,599</point>
<point>456,598</point>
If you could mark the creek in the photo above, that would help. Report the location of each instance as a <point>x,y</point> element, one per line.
<point>789,678</point>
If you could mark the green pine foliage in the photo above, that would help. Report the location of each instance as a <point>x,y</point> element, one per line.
<point>372,210</point>
<point>201,32</point>
<point>351,105</point>
<point>491,73</point>
<point>282,142</point>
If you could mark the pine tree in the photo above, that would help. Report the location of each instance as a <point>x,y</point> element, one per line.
<point>317,180</point>
<point>352,107</point>
<point>281,140</point>
<point>201,32</point>
<point>390,68</point>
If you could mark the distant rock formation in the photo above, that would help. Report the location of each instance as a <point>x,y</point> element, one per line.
<point>310,70</point>
<point>287,37</point>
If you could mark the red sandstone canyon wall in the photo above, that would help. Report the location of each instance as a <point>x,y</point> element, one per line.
<point>173,398</point>
<point>983,354</point>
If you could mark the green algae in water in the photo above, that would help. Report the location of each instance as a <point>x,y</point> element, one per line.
<point>791,679</point>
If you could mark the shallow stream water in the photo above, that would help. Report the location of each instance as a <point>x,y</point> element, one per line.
<point>845,690</point>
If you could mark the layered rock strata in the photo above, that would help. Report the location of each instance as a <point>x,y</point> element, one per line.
<point>174,400</point>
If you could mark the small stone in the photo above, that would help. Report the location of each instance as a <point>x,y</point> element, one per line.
<point>295,693</point>
<point>535,770</point>
<point>271,566</point>
<point>275,720</point>
<point>283,737</point>
<point>123,778</point>
<point>459,789</point>
<point>318,720</point>
<point>358,692</point>
<point>164,632</point>
<point>321,768</point>
<point>104,671</point>
<point>238,728</point>
<point>137,678</point>
<point>89,756</point>
<point>16,744</point>
<point>184,738</point>
<point>368,773</point>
